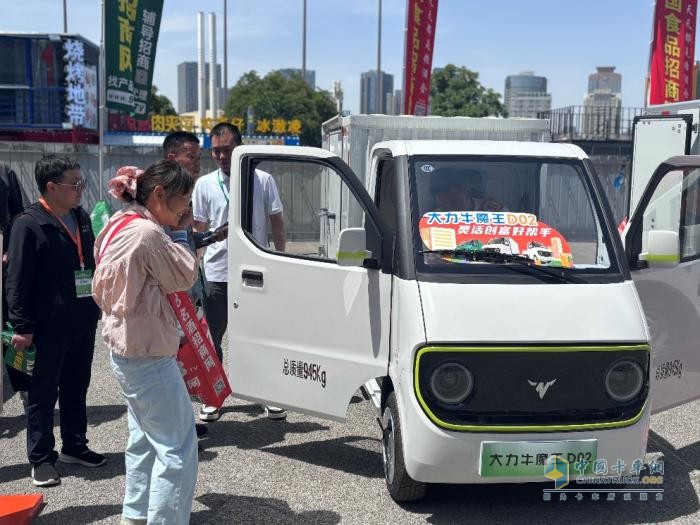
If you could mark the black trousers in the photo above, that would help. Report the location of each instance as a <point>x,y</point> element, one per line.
<point>216,312</point>
<point>61,372</point>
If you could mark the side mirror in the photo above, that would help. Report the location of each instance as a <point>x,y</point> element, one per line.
<point>662,249</point>
<point>352,247</point>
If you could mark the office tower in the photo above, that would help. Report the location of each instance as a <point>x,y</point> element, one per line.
<point>526,95</point>
<point>394,103</point>
<point>368,91</point>
<point>291,72</point>
<point>602,104</point>
<point>187,90</point>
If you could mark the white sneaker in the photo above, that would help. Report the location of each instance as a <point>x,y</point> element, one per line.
<point>275,413</point>
<point>207,413</point>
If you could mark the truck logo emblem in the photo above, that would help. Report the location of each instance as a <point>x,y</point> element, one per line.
<point>427,168</point>
<point>541,388</point>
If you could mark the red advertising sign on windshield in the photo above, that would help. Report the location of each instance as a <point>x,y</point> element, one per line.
<point>496,232</point>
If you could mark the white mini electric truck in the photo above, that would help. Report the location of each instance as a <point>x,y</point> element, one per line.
<point>481,364</point>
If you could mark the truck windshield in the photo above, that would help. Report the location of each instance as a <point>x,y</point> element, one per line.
<point>538,212</point>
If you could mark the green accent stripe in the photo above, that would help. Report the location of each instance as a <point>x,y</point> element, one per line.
<point>651,257</point>
<point>360,254</point>
<point>426,349</point>
<point>523,428</point>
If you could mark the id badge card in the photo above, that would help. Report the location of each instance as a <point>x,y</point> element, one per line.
<point>83,283</point>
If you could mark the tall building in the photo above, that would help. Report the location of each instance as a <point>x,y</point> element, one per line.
<point>605,80</point>
<point>394,103</point>
<point>602,104</point>
<point>526,95</point>
<point>368,92</point>
<point>187,87</point>
<point>291,72</point>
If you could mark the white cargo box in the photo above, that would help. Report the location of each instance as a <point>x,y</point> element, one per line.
<point>352,137</point>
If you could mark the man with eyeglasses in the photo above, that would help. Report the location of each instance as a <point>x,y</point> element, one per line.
<point>50,305</point>
<point>210,209</point>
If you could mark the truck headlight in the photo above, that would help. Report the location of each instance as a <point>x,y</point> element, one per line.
<point>451,383</point>
<point>624,380</point>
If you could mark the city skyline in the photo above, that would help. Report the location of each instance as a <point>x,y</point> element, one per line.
<point>266,36</point>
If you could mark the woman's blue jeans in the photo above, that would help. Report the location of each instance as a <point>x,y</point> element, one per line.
<point>161,454</point>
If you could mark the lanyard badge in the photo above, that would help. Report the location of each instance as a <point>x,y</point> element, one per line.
<point>83,277</point>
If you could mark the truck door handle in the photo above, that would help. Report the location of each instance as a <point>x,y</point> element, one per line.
<point>252,278</point>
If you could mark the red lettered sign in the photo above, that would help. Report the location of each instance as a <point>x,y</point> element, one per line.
<point>201,369</point>
<point>503,232</point>
<point>672,51</point>
<point>421,17</point>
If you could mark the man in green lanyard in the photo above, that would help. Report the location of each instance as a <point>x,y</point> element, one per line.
<point>210,201</point>
<point>50,305</point>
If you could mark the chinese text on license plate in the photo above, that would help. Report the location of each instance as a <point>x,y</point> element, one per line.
<point>527,458</point>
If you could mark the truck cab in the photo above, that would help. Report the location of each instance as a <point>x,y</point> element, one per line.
<point>471,384</point>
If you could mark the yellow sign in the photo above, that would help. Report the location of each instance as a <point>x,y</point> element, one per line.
<point>275,126</point>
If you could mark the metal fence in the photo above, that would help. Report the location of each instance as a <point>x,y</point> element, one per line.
<point>596,123</point>
<point>299,193</point>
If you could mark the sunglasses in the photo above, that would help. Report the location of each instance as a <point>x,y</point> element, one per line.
<point>78,186</point>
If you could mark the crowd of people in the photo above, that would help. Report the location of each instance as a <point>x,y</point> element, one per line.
<point>169,237</point>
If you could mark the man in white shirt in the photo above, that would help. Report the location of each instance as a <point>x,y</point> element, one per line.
<point>210,208</point>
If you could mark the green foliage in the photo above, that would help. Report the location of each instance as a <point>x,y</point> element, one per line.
<point>275,96</point>
<point>456,91</point>
<point>160,104</point>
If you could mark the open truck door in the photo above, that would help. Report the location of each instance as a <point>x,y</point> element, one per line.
<point>307,328</point>
<point>663,247</point>
<point>655,139</point>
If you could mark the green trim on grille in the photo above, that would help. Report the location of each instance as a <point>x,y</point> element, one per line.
<point>523,428</point>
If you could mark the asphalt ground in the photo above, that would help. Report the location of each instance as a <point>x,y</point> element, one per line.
<point>308,470</point>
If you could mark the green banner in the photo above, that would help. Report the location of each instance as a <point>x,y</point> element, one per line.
<point>528,458</point>
<point>131,36</point>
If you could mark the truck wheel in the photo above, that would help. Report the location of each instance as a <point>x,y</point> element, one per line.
<point>401,486</point>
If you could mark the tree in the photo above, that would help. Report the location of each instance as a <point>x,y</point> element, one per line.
<point>160,104</point>
<point>277,97</point>
<point>456,91</point>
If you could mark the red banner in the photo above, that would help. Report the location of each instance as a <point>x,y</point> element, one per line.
<point>201,369</point>
<point>672,51</point>
<point>421,17</point>
<point>503,232</point>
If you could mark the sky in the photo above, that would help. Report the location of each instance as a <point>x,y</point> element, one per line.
<point>563,40</point>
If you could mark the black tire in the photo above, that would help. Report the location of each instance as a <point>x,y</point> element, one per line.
<point>401,486</point>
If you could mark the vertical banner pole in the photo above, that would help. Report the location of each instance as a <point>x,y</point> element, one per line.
<point>101,104</point>
<point>380,102</point>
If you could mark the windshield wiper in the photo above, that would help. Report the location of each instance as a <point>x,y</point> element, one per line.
<point>522,263</point>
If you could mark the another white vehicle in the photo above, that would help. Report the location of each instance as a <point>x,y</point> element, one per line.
<point>502,245</point>
<point>471,385</point>
<point>538,252</point>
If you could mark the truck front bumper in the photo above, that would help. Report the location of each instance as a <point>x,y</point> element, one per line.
<point>436,455</point>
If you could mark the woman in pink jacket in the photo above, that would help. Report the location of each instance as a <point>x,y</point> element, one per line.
<point>137,266</point>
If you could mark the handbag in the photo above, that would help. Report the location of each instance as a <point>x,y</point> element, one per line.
<point>201,369</point>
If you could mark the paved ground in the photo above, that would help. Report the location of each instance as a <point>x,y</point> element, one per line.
<point>307,470</point>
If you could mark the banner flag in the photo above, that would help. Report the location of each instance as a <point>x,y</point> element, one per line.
<point>421,18</point>
<point>672,51</point>
<point>131,37</point>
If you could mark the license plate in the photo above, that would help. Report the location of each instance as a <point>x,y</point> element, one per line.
<point>528,458</point>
